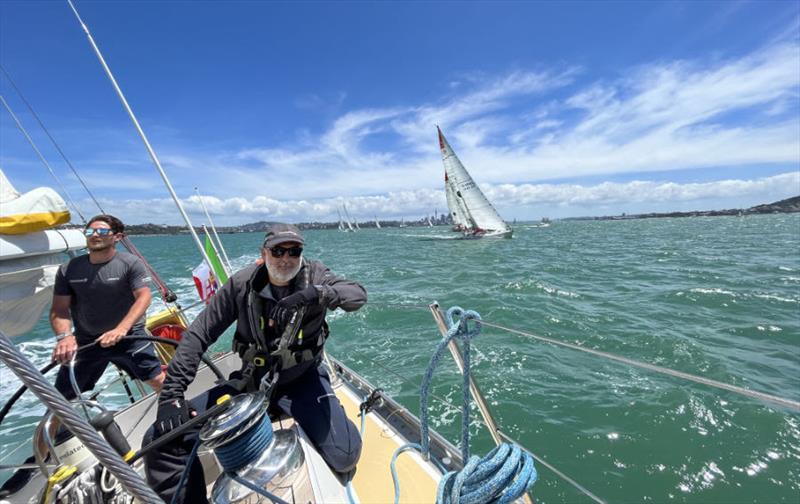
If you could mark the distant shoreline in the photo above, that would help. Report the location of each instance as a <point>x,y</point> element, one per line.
<point>790,205</point>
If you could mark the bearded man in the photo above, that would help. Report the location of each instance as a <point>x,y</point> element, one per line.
<point>279,307</point>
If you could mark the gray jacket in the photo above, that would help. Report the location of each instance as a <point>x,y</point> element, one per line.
<point>239,301</point>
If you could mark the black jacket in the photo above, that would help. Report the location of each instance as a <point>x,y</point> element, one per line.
<point>239,301</point>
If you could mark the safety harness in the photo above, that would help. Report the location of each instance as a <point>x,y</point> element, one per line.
<point>259,360</point>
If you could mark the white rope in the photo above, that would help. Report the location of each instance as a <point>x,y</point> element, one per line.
<point>795,405</point>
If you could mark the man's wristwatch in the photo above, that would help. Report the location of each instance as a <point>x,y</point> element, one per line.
<point>63,335</point>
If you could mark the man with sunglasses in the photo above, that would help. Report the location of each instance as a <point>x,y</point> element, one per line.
<point>279,307</point>
<point>105,294</point>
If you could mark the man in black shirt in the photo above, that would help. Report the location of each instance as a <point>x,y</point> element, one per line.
<point>105,294</point>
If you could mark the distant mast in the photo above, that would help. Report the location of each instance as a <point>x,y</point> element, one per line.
<point>467,204</point>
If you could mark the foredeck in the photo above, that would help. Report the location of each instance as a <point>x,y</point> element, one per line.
<point>372,482</point>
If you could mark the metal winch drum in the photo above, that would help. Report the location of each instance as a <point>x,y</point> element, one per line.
<point>246,447</point>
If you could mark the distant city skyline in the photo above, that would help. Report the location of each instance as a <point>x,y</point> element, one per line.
<point>282,111</point>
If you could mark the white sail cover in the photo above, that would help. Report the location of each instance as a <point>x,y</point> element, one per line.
<point>30,254</point>
<point>479,212</point>
<point>41,208</point>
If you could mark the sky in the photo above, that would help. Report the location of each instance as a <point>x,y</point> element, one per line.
<point>285,110</point>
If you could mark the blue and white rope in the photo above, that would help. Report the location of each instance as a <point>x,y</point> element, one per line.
<point>454,330</point>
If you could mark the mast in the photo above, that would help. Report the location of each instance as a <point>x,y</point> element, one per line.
<point>139,129</point>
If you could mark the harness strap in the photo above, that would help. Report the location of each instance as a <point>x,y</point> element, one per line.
<point>256,356</point>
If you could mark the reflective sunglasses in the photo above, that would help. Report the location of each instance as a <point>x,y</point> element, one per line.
<point>100,231</point>
<point>280,251</point>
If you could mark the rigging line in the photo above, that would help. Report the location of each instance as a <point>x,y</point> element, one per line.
<point>163,290</point>
<point>558,473</point>
<point>125,242</point>
<point>53,140</point>
<point>399,305</point>
<point>142,135</point>
<point>795,405</point>
<point>502,434</point>
<point>30,141</point>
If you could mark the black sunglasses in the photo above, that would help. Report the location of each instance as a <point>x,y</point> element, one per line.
<point>100,231</point>
<point>279,251</point>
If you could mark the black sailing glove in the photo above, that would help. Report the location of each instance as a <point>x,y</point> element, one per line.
<point>171,415</point>
<point>282,312</point>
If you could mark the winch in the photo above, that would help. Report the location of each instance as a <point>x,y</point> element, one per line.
<point>252,455</point>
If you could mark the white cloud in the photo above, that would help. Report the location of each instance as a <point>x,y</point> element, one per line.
<point>510,131</point>
<point>608,193</point>
<point>523,201</point>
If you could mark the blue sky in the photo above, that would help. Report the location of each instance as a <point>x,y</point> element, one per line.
<point>283,110</point>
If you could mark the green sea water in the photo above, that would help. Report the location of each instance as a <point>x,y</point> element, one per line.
<point>717,297</point>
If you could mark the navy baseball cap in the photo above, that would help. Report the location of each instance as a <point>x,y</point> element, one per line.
<point>282,233</point>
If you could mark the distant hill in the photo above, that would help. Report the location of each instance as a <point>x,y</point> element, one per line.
<point>789,205</point>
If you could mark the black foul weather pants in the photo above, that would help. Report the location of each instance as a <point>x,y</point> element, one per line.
<point>309,399</point>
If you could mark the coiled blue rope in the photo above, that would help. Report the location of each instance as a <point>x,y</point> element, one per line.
<point>501,476</point>
<point>246,448</point>
<point>243,450</point>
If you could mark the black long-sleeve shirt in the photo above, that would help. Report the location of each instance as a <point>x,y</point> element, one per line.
<point>234,303</point>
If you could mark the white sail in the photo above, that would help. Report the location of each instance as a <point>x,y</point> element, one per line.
<point>341,223</point>
<point>457,211</point>
<point>377,224</point>
<point>480,214</point>
<point>347,216</point>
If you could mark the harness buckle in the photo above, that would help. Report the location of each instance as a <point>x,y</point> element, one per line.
<point>259,361</point>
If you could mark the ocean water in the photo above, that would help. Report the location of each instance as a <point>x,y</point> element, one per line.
<point>717,297</point>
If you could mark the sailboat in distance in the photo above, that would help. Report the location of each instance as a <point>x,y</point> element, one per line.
<point>349,219</point>
<point>471,211</point>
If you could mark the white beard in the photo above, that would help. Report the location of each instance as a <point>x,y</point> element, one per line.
<point>285,277</point>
